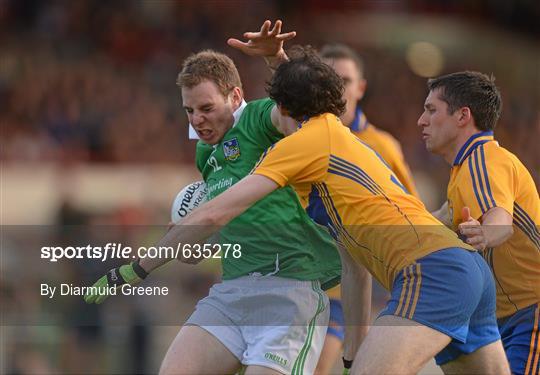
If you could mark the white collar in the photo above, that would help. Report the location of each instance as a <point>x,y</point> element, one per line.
<point>236,115</point>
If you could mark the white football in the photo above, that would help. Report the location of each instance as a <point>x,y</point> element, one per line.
<point>188,199</point>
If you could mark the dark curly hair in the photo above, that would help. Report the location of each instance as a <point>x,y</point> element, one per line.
<point>306,87</point>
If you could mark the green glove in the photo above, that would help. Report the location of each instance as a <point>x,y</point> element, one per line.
<point>346,371</point>
<point>131,274</point>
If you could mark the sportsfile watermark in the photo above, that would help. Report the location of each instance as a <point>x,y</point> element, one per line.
<point>113,250</point>
<point>52,268</point>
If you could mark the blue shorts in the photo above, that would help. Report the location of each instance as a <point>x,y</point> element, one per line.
<point>452,291</point>
<point>520,333</point>
<point>336,325</point>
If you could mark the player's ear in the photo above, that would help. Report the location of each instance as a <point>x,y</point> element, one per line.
<point>236,96</point>
<point>464,116</point>
<point>362,85</point>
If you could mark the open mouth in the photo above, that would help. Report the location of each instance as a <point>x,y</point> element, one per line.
<point>204,134</point>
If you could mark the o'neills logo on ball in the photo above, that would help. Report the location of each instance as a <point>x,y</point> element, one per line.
<point>188,197</point>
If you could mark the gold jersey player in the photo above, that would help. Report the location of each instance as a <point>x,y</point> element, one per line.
<point>350,67</point>
<point>492,201</point>
<point>442,291</point>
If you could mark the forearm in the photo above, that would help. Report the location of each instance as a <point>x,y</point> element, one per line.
<point>184,232</point>
<point>357,315</point>
<point>497,227</point>
<point>150,264</point>
<point>356,301</point>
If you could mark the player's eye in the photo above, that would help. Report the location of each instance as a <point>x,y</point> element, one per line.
<point>189,110</point>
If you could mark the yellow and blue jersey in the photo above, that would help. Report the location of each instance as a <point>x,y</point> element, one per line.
<point>387,146</point>
<point>390,150</point>
<point>485,175</point>
<point>349,189</point>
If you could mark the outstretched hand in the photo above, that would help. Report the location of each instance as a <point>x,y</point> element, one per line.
<point>265,42</point>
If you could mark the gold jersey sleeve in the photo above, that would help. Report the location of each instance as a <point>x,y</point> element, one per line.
<point>485,175</point>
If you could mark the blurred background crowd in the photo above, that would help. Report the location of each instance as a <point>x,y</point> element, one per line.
<point>92,130</point>
<point>92,81</point>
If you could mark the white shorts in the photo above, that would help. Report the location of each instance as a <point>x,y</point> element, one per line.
<point>267,321</point>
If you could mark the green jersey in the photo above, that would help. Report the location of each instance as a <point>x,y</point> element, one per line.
<point>276,235</point>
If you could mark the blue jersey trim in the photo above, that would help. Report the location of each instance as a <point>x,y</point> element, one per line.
<point>317,211</point>
<point>360,121</point>
<point>352,177</point>
<point>486,177</point>
<point>335,223</point>
<point>356,170</point>
<point>475,187</point>
<point>524,222</point>
<point>398,183</point>
<point>465,150</point>
<point>480,181</point>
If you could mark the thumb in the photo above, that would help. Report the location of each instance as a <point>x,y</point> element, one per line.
<point>466,214</point>
<point>235,43</point>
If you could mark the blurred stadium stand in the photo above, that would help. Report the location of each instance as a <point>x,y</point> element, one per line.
<point>92,129</point>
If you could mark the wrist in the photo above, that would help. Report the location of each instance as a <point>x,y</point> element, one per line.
<point>139,270</point>
<point>347,363</point>
<point>276,60</point>
<point>129,273</point>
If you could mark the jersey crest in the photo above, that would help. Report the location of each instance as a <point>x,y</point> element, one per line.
<point>231,149</point>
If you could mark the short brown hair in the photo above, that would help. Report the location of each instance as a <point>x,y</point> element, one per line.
<point>474,90</point>
<point>212,66</point>
<point>340,51</point>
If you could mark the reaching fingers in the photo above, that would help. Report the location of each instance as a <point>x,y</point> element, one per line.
<point>466,214</point>
<point>93,296</point>
<point>277,28</point>
<point>265,27</point>
<point>470,230</point>
<point>235,43</point>
<point>252,35</point>
<point>477,242</point>
<point>286,36</point>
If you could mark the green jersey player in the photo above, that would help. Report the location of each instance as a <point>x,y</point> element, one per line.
<point>269,313</point>
<point>287,243</point>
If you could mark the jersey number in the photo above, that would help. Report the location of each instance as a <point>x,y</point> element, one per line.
<point>214,164</point>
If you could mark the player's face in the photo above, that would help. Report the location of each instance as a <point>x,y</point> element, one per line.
<point>209,112</point>
<point>439,128</point>
<point>355,85</point>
